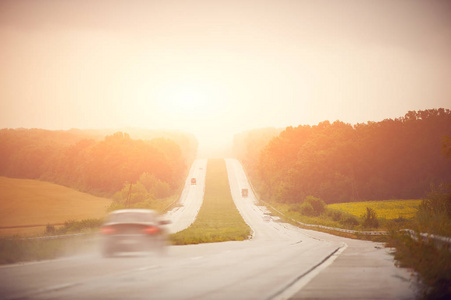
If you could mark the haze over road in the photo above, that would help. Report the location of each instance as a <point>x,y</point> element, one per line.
<point>280,261</point>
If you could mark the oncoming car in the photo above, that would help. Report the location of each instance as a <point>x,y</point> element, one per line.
<point>133,230</point>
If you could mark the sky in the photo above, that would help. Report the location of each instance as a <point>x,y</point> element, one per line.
<point>217,68</point>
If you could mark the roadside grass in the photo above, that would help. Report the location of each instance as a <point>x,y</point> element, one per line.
<point>160,205</point>
<point>218,219</point>
<point>289,216</point>
<point>13,250</point>
<point>19,249</point>
<point>166,204</point>
<point>73,226</point>
<point>432,263</point>
<point>351,215</point>
<point>431,259</point>
<point>32,202</point>
<point>289,211</point>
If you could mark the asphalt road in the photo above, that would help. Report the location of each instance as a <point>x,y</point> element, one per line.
<point>191,199</point>
<point>279,262</point>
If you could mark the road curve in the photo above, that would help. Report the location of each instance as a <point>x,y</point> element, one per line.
<point>357,270</point>
<point>279,262</point>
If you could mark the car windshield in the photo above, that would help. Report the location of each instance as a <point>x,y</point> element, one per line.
<point>131,217</point>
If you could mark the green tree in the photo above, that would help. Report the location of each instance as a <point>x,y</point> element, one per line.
<point>446,146</point>
<point>132,194</point>
<point>338,162</point>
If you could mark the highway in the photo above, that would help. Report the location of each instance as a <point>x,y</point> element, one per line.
<point>191,199</point>
<point>279,262</point>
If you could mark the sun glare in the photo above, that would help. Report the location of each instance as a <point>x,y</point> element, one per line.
<point>190,100</point>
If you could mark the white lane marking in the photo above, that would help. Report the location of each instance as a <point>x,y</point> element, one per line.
<point>305,278</point>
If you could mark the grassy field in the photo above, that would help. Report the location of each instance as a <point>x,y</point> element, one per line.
<point>33,202</point>
<point>218,219</point>
<point>351,215</point>
<point>388,209</point>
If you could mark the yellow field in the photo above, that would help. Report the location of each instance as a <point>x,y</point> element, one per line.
<point>387,209</point>
<point>30,202</point>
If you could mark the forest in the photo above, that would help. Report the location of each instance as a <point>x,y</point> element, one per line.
<point>393,159</point>
<point>101,166</point>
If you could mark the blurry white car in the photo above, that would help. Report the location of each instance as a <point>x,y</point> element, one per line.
<point>133,230</point>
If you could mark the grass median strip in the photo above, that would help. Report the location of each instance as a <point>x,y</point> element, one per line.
<point>218,219</point>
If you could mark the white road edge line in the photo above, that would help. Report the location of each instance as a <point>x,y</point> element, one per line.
<point>305,278</point>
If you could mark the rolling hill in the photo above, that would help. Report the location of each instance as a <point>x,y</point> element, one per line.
<point>33,202</point>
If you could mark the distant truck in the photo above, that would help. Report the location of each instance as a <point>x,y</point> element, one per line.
<point>193,181</point>
<point>244,192</point>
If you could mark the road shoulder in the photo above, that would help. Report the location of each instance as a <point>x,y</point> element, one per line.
<point>365,270</point>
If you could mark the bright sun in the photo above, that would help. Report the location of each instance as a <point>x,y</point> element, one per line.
<point>195,106</point>
<point>190,100</point>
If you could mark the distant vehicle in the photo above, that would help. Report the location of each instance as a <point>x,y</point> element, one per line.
<point>244,192</point>
<point>133,230</point>
<point>193,181</point>
<point>266,218</point>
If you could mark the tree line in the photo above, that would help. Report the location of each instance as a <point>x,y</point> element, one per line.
<point>98,166</point>
<point>338,162</point>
